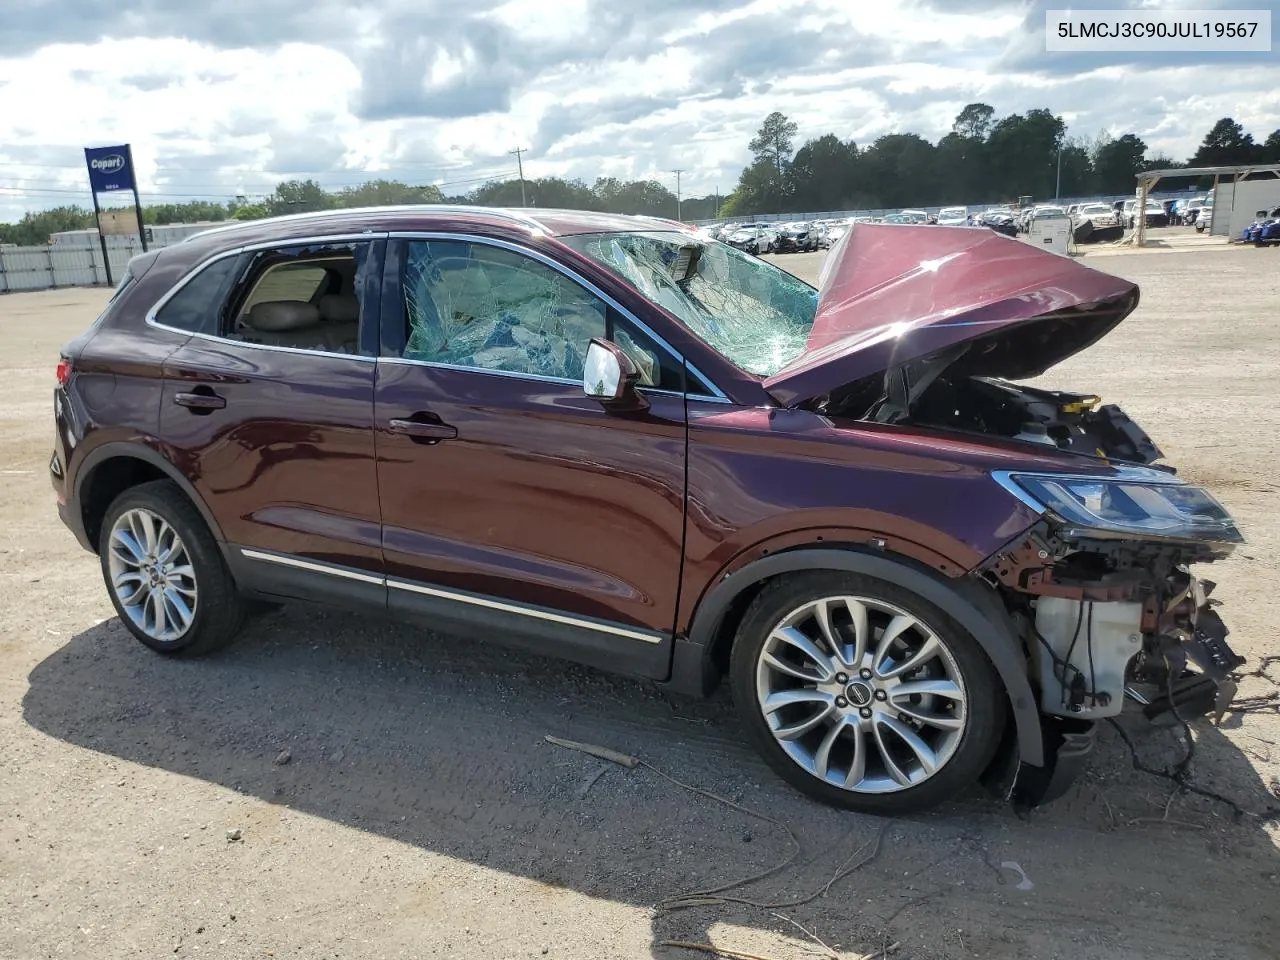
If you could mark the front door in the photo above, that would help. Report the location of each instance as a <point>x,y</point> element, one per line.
<point>512,504</point>
<point>269,410</point>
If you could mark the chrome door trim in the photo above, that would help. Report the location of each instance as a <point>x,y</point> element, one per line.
<point>476,600</point>
<point>528,611</point>
<point>285,560</point>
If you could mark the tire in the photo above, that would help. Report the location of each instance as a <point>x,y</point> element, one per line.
<point>202,586</point>
<point>961,753</point>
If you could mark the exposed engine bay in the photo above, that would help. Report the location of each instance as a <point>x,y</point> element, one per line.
<point>1071,422</point>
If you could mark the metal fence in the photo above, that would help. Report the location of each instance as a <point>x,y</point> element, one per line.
<point>73,258</point>
<point>42,268</point>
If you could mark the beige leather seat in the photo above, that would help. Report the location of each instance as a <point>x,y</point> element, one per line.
<point>332,325</point>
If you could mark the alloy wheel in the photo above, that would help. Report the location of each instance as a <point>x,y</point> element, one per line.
<point>151,574</point>
<point>861,694</point>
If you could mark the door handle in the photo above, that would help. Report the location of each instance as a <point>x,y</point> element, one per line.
<point>200,402</point>
<point>424,428</point>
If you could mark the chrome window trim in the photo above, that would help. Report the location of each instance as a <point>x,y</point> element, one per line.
<point>534,612</point>
<point>151,321</point>
<point>410,586</point>
<point>574,277</point>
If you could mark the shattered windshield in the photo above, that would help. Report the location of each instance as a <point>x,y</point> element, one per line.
<point>754,314</point>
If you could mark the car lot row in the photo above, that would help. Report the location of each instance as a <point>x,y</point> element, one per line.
<point>1091,221</point>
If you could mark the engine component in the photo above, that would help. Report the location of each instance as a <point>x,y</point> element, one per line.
<point>1082,651</point>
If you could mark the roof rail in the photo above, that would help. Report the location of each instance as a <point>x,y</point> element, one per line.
<point>513,214</point>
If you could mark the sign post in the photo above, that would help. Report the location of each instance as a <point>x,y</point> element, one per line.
<point>110,171</point>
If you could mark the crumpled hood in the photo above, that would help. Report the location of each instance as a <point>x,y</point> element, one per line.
<point>891,294</point>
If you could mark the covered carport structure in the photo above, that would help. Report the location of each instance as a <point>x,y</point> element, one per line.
<point>1235,175</point>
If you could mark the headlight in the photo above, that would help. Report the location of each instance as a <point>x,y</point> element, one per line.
<point>1139,503</point>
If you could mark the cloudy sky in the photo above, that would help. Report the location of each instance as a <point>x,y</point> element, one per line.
<point>226,97</point>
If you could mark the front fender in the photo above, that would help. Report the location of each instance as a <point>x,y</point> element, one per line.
<point>967,601</point>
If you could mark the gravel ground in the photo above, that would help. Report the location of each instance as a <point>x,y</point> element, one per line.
<point>333,786</point>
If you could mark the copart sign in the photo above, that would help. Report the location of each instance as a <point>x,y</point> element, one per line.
<point>110,168</point>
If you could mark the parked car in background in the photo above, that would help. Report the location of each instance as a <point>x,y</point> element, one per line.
<point>838,229</point>
<point>1000,219</point>
<point>797,237</point>
<point>913,216</point>
<point>605,439</point>
<point>756,238</point>
<point>1204,217</point>
<point>1039,210</point>
<point>1155,214</point>
<point>953,217</point>
<point>1096,222</point>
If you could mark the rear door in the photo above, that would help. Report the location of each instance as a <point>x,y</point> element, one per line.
<point>512,503</point>
<point>268,408</point>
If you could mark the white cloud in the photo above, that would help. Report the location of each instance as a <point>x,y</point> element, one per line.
<point>594,88</point>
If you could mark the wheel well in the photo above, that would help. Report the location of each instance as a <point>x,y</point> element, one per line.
<point>107,481</point>
<point>722,643</point>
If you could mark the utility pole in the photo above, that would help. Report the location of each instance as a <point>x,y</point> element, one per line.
<point>717,215</point>
<point>677,172</point>
<point>520,166</point>
<point>1057,191</point>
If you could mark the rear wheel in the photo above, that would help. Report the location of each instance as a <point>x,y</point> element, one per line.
<point>165,576</point>
<point>864,695</point>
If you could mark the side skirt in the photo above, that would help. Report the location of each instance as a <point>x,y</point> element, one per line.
<point>614,647</point>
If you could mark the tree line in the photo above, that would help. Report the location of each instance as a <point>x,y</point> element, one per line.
<point>607,194</point>
<point>983,159</point>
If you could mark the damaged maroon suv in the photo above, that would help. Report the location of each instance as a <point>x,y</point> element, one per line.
<point>608,439</point>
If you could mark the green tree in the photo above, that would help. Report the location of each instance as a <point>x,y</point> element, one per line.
<point>1023,150</point>
<point>35,228</point>
<point>386,193</point>
<point>1116,164</point>
<point>1226,144</point>
<point>1076,174</point>
<point>974,121</point>
<point>759,191</point>
<point>646,197</point>
<point>195,211</point>
<point>773,140</point>
<point>1269,151</point>
<point>771,155</point>
<point>823,174</point>
<point>548,192</point>
<point>299,196</point>
<point>251,211</point>
<point>962,162</point>
<point>901,171</point>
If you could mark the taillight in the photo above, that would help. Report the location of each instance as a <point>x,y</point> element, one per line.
<point>64,371</point>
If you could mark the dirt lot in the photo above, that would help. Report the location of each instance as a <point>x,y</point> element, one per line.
<point>394,796</point>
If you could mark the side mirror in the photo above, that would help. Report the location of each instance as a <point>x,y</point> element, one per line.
<point>610,376</point>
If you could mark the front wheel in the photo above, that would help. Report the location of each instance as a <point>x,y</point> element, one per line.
<point>164,573</point>
<point>864,695</point>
